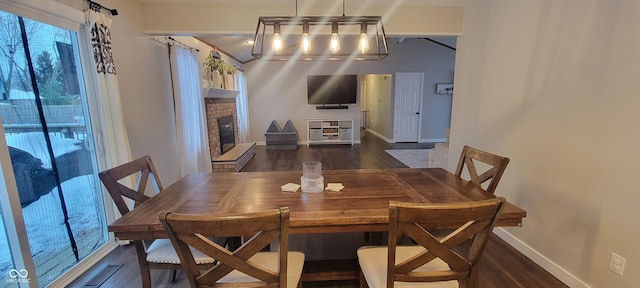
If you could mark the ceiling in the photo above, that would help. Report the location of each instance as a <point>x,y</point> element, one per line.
<point>237,47</point>
<point>348,2</point>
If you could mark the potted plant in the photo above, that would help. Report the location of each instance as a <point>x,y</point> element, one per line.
<point>219,71</point>
<point>228,71</point>
<point>214,68</point>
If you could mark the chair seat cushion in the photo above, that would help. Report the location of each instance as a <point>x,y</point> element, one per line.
<point>373,262</point>
<point>269,260</point>
<point>161,251</point>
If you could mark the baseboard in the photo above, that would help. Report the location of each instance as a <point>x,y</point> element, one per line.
<point>264,143</point>
<point>432,140</point>
<point>556,270</point>
<point>84,265</point>
<point>374,133</point>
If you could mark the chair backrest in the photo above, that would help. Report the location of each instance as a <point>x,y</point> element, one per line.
<point>464,221</point>
<point>186,230</point>
<point>143,168</point>
<point>497,166</point>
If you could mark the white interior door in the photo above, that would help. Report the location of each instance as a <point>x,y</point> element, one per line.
<point>408,103</point>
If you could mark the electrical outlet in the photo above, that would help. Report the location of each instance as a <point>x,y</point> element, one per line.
<point>616,264</point>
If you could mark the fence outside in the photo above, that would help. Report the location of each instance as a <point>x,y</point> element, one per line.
<point>65,121</point>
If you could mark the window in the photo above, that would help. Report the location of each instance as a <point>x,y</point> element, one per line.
<point>48,135</point>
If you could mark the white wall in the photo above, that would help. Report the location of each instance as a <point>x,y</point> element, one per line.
<point>278,90</point>
<point>553,86</point>
<point>144,78</point>
<point>145,88</point>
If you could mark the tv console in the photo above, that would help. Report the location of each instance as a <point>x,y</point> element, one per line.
<point>331,107</point>
<point>329,131</point>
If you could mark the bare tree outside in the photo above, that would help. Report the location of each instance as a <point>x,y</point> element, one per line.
<point>13,73</point>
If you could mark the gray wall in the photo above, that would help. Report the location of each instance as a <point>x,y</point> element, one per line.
<point>436,108</point>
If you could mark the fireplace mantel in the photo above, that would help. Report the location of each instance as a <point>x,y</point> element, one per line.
<point>219,93</point>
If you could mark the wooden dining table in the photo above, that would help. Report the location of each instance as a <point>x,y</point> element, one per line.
<point>362,205</point>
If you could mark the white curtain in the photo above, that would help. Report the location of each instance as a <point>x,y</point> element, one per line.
<point>191,125</point>
<point>110,130</point>
<point>242,102</point>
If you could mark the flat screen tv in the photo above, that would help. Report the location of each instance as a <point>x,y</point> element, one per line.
<point>332,89</point>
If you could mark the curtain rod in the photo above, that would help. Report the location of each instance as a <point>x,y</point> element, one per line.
<point>97,7</point>
<point>169,38</point>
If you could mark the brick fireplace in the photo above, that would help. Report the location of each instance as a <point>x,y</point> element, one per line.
<point>216,108</point>
<point>238,156</point>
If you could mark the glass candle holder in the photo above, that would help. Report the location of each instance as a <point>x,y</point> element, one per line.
<point>312,170</point>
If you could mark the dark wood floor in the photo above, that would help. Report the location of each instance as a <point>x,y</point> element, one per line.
<point>369,154</point>
<point>502,266</point>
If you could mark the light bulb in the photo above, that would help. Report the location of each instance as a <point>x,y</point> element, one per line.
<point>334,45</point>
<point>306,42</point>
<point>364,42</point>
<point>277,43</point>
<point>277,39</point>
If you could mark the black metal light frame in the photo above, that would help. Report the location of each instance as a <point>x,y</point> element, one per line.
<point>378,48</point>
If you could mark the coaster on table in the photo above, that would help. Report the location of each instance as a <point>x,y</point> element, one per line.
<point>290,187</point>
<point>335,187</point>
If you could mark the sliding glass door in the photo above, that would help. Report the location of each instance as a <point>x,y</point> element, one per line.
<point>43,110</point>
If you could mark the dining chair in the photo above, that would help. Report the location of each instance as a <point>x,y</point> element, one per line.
<point>471,156</point>
<point>434,262</point>
<point>247,266</point>
<point>158,254</point>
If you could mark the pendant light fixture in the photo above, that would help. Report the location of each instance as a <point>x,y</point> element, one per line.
<point>343,43</point>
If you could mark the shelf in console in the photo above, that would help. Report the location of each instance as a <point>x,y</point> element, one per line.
<point>210,92</point>
<point>329,131</point>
